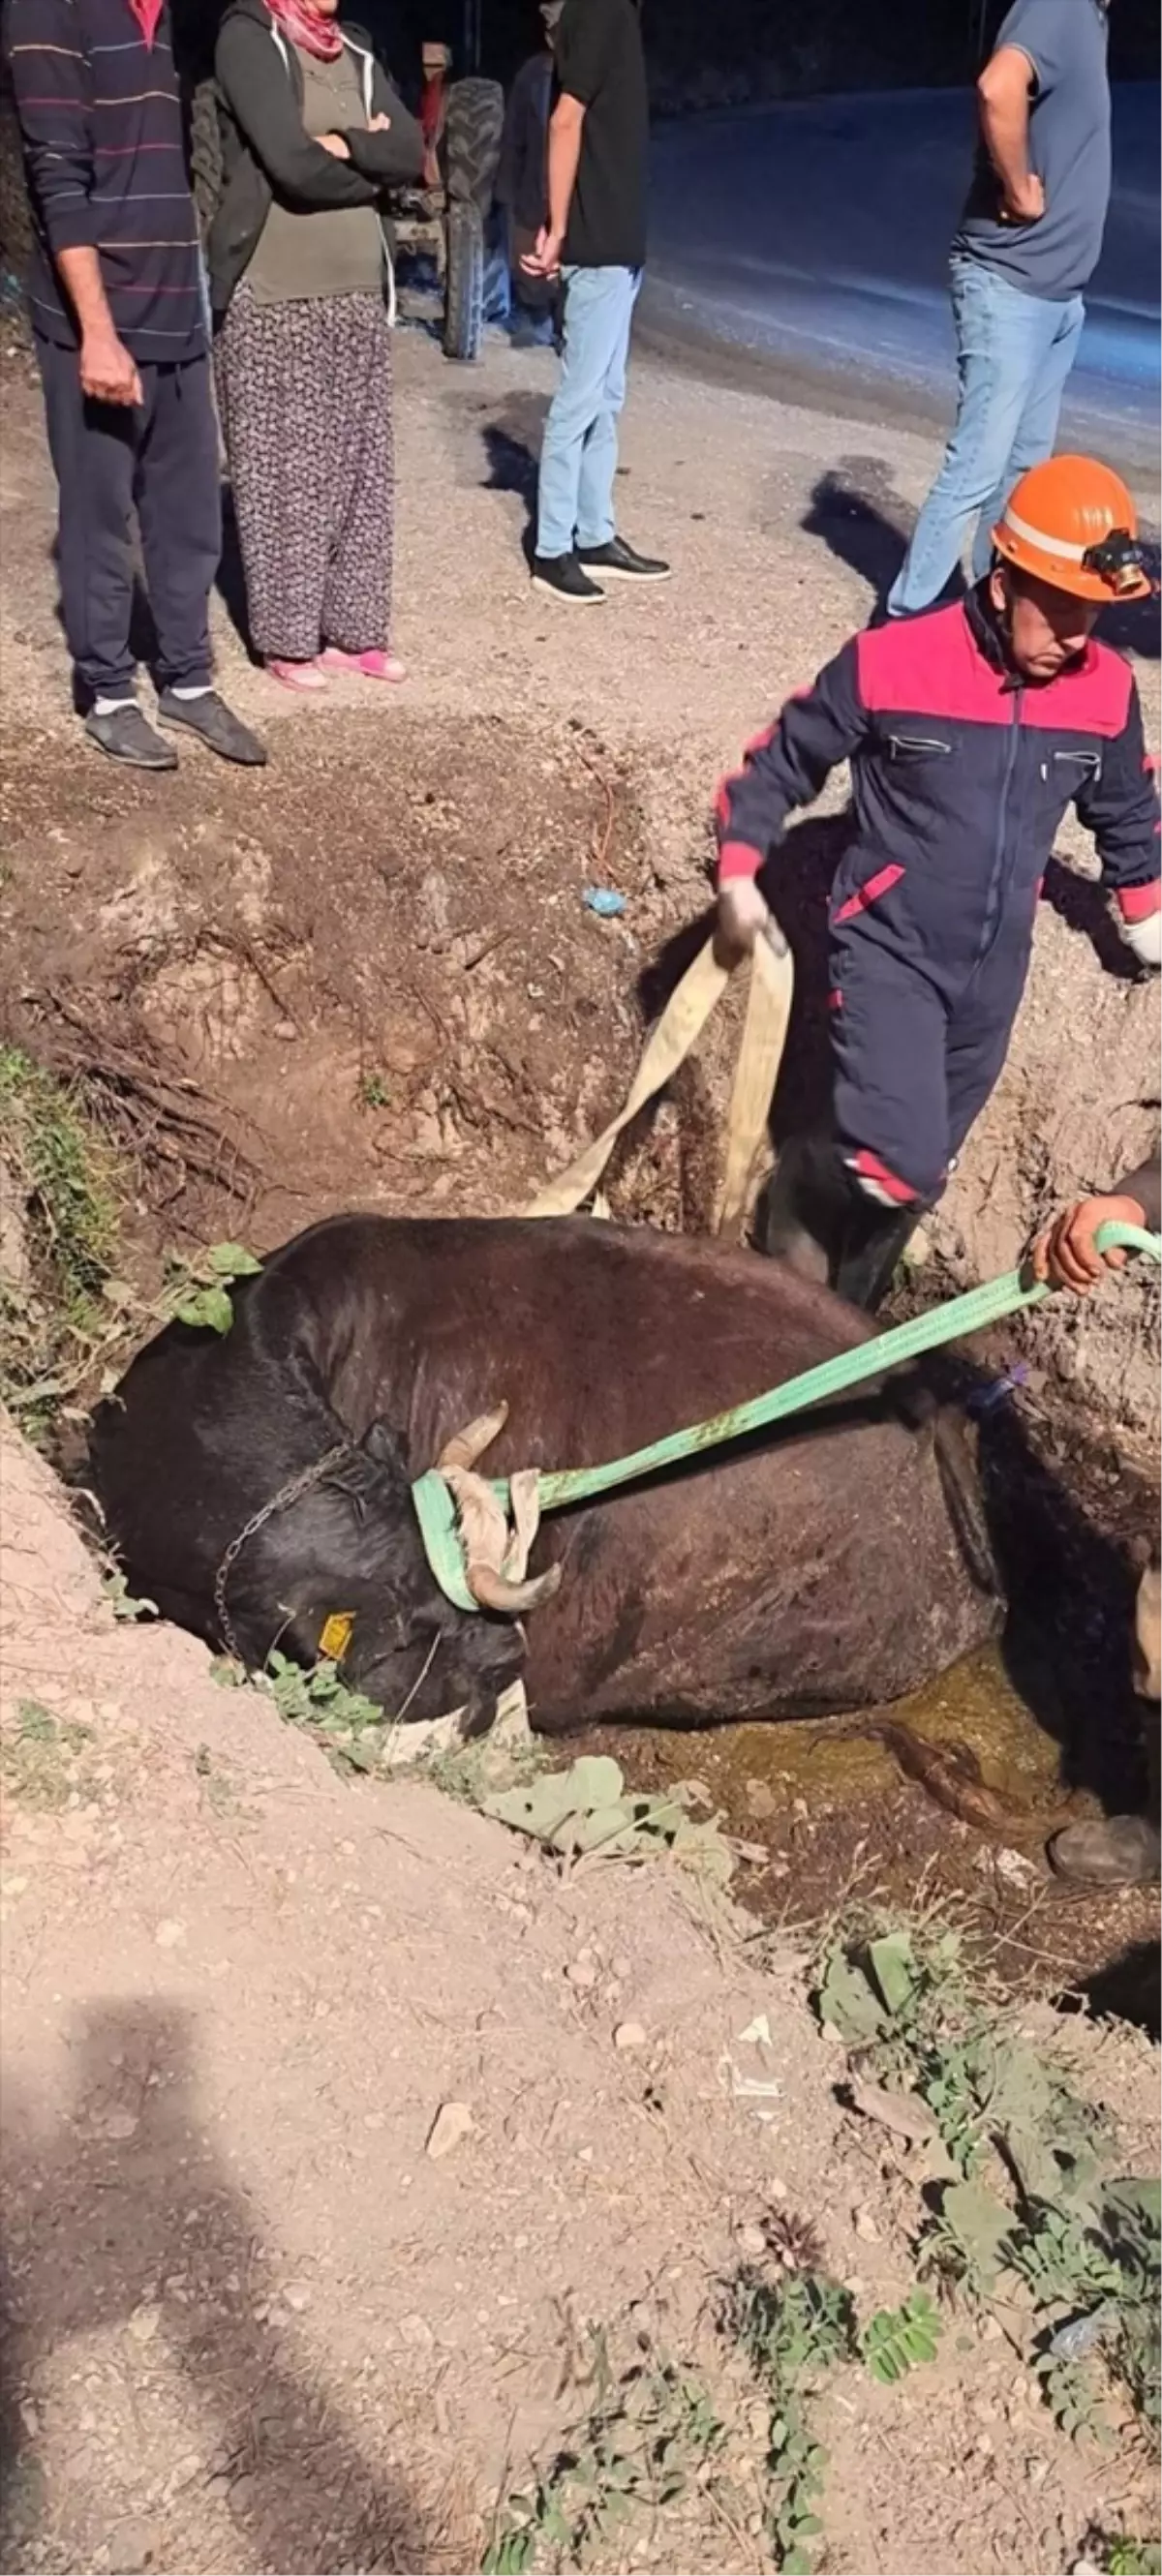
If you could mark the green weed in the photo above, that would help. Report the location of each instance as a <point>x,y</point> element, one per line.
<point>897,2340</point>
<point>64,1179</point>
<point>1029,2223</point>
<point>649,2431</point>
<point>116,1592</point>
<point>197,1286</point>
<point>39,1758</point>
<point>793,2332</point>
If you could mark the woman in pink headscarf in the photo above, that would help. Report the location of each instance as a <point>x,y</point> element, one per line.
<point>303,294</point>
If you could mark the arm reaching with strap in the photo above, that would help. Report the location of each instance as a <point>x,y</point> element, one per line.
<point>782,768</point>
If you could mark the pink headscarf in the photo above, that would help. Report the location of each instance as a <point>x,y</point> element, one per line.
<point>303,25</point>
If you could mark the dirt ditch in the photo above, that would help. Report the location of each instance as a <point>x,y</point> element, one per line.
<point>371,978</point>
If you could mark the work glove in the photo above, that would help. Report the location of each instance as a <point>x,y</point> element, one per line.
<point>1144,937</point>
<point>744,915</point>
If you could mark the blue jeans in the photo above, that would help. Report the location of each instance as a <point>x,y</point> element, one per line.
<point>1013,354</point>
<point>579,455</point>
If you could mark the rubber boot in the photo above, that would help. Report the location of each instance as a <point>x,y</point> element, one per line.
<point>804,1207</point>
<point>813,1215</point>
<point>872,1248</point>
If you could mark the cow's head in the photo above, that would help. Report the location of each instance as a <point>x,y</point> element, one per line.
<point>350,1549</point>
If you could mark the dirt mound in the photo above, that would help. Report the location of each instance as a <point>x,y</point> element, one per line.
<point>375,980</point>
<point>255,2320</point>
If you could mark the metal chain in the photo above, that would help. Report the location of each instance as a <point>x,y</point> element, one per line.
<point>287,1494</point>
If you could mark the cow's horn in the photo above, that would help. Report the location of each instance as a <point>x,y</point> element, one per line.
<point>470,1444</point>
<point>495,1592</point>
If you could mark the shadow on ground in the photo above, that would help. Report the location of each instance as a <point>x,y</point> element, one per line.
<point>97,2228</point>
<point>860,517</point>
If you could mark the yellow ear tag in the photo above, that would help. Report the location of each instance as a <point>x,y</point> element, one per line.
<point>336,1635</point>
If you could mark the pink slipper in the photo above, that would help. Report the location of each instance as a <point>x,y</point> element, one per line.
<point>298,675</point>
<point>369,666</point>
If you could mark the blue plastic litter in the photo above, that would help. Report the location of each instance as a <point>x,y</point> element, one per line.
<point>987,1398</point>
<point>603,901</point>
<point>1081,2335</point>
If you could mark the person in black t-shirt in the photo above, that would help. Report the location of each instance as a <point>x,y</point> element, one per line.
<point>596,238</point>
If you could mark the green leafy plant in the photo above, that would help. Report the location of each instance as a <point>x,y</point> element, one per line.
<point>1128,2557</point>
<point>343,1720</point>
<point>897,2340</point>
<point>792,2331</point>
<point>116,1592</point>
<point>648,2432</point>
<point>197,1287</point>
<point>63,1183</point>
<point>1075,2262</point>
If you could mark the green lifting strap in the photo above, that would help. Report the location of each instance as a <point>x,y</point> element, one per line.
<point>436,1510</point>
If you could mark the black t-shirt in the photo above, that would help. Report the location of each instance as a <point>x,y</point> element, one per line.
<point>601,62</point>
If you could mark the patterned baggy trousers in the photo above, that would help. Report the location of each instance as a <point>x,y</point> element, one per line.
<point>305,394</point>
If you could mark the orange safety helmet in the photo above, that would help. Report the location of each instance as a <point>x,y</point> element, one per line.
<point>1071,523</point>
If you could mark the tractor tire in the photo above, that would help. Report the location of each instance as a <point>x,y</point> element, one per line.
<point>471,143</point>
<point>464,282</point>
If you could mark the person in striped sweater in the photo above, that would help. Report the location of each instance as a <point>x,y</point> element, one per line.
<point>117,314</point>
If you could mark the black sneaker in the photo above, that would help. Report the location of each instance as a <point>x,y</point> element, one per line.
<point>211,719</point>
<point>562,577</point>
<point>128,735</point>
<point>618,562</point>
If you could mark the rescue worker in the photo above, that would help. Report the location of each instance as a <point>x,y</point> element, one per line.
<point>970,730</point>
<point>1114,1851</point>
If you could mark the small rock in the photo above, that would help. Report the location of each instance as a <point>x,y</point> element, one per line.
<point>143,2324</point>
<point>416,2331</point>
<point>776,2189</point>
<point>865,2227</point>
<point>751,2240</point>
<point>296,2296</point>
<point>629,2034</point>
<point>120,2124</point>
<point>452,2123</point>
<point>286,1030</point>
<point>582,1972</point>
<point>169,1934</point>
<point>134,2545</point>
<point>760,1799</point>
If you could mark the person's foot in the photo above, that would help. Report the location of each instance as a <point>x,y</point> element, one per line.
<point>563,578</point>
<point>619,562</point>
<point>1107,1851</point>
<point>215,724</point>
<point>126,734</point>
<point>373,665</point>
<point>297,675</point>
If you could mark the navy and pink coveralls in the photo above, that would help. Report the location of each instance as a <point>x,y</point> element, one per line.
<point>961,775</point>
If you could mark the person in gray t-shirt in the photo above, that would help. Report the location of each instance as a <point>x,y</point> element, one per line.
<point>1029,241</point>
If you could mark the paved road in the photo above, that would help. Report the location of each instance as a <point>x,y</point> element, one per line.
<point>815,236</point>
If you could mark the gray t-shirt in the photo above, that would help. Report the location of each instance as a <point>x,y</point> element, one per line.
<point>1069,151</point>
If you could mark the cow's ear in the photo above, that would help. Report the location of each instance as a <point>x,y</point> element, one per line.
<point>385,1447</point>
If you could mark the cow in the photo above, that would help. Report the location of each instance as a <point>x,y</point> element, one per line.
<point>839,1560</point>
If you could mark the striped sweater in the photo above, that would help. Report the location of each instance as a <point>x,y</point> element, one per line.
<point>101,119</point>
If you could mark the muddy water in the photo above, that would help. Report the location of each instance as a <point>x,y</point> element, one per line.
<point>828,1816</point>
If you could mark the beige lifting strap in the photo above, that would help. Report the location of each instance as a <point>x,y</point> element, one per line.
<point>685,1016</point>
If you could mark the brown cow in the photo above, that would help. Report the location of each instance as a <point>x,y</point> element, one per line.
<point>838,1561</point>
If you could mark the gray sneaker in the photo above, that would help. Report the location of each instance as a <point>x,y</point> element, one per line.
<point>215,724</point>
<point>125,734</point>
<point>1107,1851</point>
